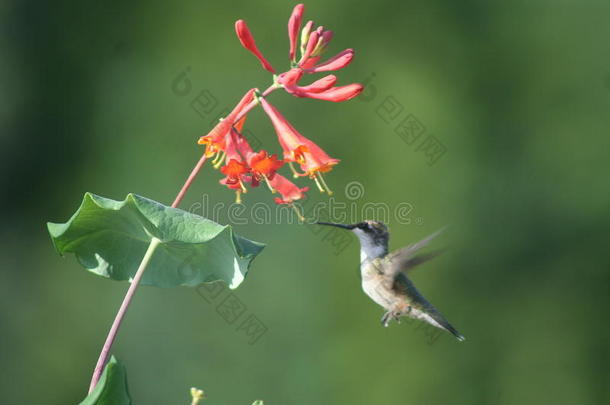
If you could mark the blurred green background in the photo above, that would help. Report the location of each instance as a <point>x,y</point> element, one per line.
<point>518,93</point>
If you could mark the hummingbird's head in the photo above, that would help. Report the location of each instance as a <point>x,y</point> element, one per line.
<point>373,235</point>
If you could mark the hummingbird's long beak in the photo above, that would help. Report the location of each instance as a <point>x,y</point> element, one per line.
<point>348,227</point>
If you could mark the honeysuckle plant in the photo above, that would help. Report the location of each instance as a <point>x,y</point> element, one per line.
<point>225,143</point>
<point>149,243</point>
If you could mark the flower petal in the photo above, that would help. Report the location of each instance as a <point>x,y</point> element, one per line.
<point>289,191</point>
<point>234,169</point>
<point>263,164</point>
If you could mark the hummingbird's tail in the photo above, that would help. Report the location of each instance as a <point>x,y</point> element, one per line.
<point>449,328</point>
<point>435,318</point>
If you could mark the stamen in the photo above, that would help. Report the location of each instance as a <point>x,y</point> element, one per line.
<point>216,157</point>
<point>273,191</point>
<point>295,174</point>
<point>238,197</point>
<point>243,188</point>
<point>328,190</point>
<point>223,155</point>
<point>318,184</point>
<point>297,212</point>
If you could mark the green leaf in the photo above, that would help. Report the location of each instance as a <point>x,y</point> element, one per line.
<point>111,389</point>
<point>109,238</point>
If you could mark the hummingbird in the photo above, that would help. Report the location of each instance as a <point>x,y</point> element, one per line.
<point>384,277</point>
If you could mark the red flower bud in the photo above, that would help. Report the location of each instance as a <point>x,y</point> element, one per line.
<point>294,25</point>
<point>311,45</point>
<point>337,94</point>
<point>337,62</point>
<point>320,85</point>
<point>247,41</point>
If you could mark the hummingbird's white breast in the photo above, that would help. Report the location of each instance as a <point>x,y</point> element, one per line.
<point>375,285</point>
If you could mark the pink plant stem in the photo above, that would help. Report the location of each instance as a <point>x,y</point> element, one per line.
<point>189,181</point>
<point>103,358</point>
<point>118,319</point>
<point>254,102</point>
<point>101,362</point>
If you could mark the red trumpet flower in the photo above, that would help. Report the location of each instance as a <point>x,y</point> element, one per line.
<point>216,139</point>
<point>312,159</point>
<point>241,165</point>
<point>246,166</point>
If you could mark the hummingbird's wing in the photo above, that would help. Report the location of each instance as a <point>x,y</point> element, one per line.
<point>420,308</point>
<point>406,259</point>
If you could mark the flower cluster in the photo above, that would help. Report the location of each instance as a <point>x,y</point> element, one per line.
<point>231,152</point>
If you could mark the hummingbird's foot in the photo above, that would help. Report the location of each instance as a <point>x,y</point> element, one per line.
<point>388,316</point>
<point>385,319</point>
<point>396,316</point>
